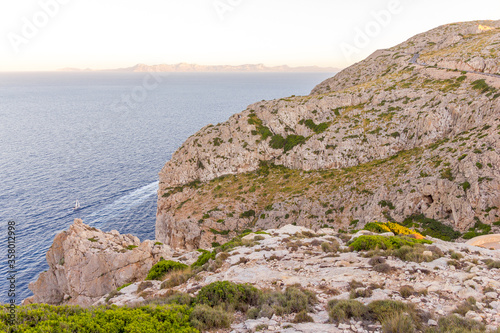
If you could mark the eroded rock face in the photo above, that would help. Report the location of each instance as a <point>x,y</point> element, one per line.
<point>86,263</point>
<point>372,111</point>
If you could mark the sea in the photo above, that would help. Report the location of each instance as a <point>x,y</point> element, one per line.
<point>101,138</point>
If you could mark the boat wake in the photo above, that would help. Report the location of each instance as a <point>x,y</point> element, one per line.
<point>122,206</point>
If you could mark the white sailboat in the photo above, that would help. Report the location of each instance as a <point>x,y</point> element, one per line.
<point>77,205</point>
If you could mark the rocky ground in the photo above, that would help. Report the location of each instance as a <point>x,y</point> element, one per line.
<point>293,255</point>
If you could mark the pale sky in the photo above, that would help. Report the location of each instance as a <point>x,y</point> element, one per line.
<point>100,34</point>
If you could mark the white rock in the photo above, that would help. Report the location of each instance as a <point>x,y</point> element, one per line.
<point>492,294</point>
<point>432,322</point>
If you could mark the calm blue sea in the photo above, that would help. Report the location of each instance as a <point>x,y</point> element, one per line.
<point>68,136</point>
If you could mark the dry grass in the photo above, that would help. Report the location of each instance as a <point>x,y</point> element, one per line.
<point>398,323</point>
<point>177,278</point>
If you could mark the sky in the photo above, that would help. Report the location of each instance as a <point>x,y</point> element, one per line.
<point>42,35</point>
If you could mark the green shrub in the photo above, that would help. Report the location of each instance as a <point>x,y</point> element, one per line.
<point>478,229</point>
<point>406,291</point>
<point>319,128</point>
<point>455,263</point>
<point>354,284</point>
<point>248,213</point>
<point>253,313</point>
<point>298,299</point>
<point>341,310</point>
<point>293,140</point>
<point>385,203</point>
<point>302,317</point>
<point>264,132</point>
<point>468,305</point>
<point>447,174</point>
<point>277,142</point>
<point>372,242</point>
<point>360,293</point>
<point>221,232</point>
<point>205,318</point>
<point>376,260</point>
<point>161,268</point>
<point>228,294</point>
<point>144,319</point>
<point>379,310</point>
<point>465,185</point>
<point>293,300</point>
<point>123,286</point>
<point>204,258</point>
<point>377,227</point>
<point>433,228</point>
<point>492,263</point>
<point>382,268</point>
<point>413,253</point>
<point>266,311</point>
<point>455,324</point>
<point>330,247</point>
<point>483,86</point>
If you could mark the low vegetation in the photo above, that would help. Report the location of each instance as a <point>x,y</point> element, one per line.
<point>374,242</point>
<point>395,228</point>
<point>342,310</point>
<point>228,295</point>
<point>204,317</point>
<point>453,323</point>
<point>478,229</point>
<point>413,253</point>
<point>288,143</point>
<point>431,227</point>
<point>144,319</point>
<point>163,267</point>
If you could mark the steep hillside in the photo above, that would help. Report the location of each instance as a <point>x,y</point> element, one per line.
<point>387,138</point>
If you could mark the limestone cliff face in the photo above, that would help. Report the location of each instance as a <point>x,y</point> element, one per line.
<point>387,136</point>
<point>86,263</point>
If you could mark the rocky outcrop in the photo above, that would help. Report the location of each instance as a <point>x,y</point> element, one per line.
<point>383,137</point>
<point>86,263</point>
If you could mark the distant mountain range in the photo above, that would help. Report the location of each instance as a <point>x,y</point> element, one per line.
<point>193,68</point>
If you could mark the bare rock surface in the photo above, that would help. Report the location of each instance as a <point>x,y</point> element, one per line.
<point>86,263</point>
<point>486,241</point>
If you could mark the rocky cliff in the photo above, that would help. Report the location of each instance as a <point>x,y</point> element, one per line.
<point>412,132</point>
<point>86,263</point>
